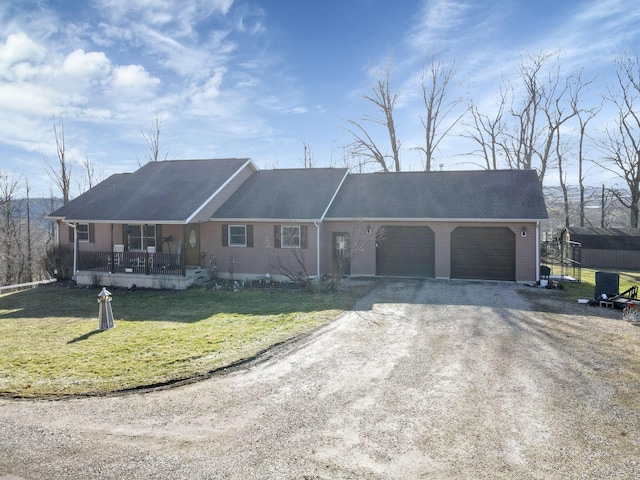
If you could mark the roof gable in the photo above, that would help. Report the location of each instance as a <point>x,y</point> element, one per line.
<point>163,191</point>
<point>482,194</point>
<point>284,194</point>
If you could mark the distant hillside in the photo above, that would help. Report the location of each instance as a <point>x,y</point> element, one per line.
<point>39,207</point>
<point>615,214</point>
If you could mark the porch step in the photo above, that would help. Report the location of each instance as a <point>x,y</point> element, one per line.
<point>201,277</point>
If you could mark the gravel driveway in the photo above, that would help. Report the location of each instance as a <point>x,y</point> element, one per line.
<point>425,379</point>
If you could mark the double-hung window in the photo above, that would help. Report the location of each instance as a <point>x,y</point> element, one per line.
<point>82,232</point>
<point>290,236</point>
<point>237,235</point>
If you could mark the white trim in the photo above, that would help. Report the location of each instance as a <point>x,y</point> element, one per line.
<point>128,222</point>
<point>229,244</point>
<point>433,220</point>
<point>335,194</point>
<point>88,232</point>
<point>299,236</point>
<point>537,252</point>
<point>75,248</point>
<point>288,221</point>
<point>222,187</point>
<point>317,251</point>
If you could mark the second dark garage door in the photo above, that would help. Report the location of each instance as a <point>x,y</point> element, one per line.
<point>406,251</point>
<point>486,253</point>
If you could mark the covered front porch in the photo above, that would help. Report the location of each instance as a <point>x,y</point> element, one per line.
<point>142,269</point>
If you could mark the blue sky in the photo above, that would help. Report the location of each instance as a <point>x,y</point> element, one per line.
<point>261,78</point>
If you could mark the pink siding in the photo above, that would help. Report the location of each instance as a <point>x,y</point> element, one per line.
<point>363,246</point>
<point>101,235</point>
<point>259,259</point>
<point>176,232</point>
<point>364,261</point>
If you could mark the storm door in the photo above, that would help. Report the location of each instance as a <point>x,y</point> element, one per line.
<point>192,244</point>
<point>341,253</point>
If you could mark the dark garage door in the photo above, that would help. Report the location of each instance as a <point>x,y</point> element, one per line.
<point>406,252</point>
<point>487,253</point>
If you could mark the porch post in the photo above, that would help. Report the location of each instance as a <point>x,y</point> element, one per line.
<point>111,255</point>
<point>183,255</point>
<point>75,248</point>
<point>317,252</point>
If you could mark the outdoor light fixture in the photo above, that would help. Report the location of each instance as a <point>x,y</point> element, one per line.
<point>523,232</point>
<point>368,229</point>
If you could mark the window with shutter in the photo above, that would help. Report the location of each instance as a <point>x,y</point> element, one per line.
<point>237,235</point>
<point>290,236</point>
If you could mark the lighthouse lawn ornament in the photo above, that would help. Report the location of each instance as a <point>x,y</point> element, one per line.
<point>105,315</point>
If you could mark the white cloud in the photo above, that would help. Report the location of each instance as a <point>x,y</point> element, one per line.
<point>162,13</point>
<point>19,47</point>
<point>211,89</point>
<point>27,99</point>
<point>438,17</point>
<point>133,77</point>
<point>204,99</point>
<point>86,64</point>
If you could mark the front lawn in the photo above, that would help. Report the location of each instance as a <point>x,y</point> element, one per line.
<point>50,345</point>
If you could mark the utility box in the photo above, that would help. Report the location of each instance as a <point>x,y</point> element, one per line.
<point>607,283</point>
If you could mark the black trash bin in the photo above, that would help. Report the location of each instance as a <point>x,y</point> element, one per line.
<point>545,272</point>
<point>607,283</point>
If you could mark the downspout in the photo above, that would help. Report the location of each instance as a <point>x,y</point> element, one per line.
<point>537,252</point>
<point>317,251</point>
<point>75,248</point>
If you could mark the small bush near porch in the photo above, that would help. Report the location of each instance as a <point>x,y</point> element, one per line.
<point>51,345</point>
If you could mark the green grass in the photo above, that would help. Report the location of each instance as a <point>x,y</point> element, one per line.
<point>50,344</point>
<point>586,288</point>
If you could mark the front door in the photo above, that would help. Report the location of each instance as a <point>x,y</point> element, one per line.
<point>341,253</point>
<point>192,244</point>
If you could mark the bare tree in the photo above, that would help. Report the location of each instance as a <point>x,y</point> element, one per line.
<point>29,264</point>
<point>530,135</point>
<point>291,262</point>
<point>584,117</point>
<point>566,105</point>
<point>621,144</point>
<point>152,139</point>
<point>607,204</point>
<point>12,259</point>
<point>90,178</point>
<point>524,131</point>
<point>61,174</point>
<point>436,79</point>
<point>308,160</point>
<point>561,149</point>
<point>363,146</point>
<point>487,132</point>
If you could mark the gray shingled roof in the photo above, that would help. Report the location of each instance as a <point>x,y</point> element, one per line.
<point>284,194</point>
<point>165,191</point>
<point>483,194</point>
<point>606,238</point>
